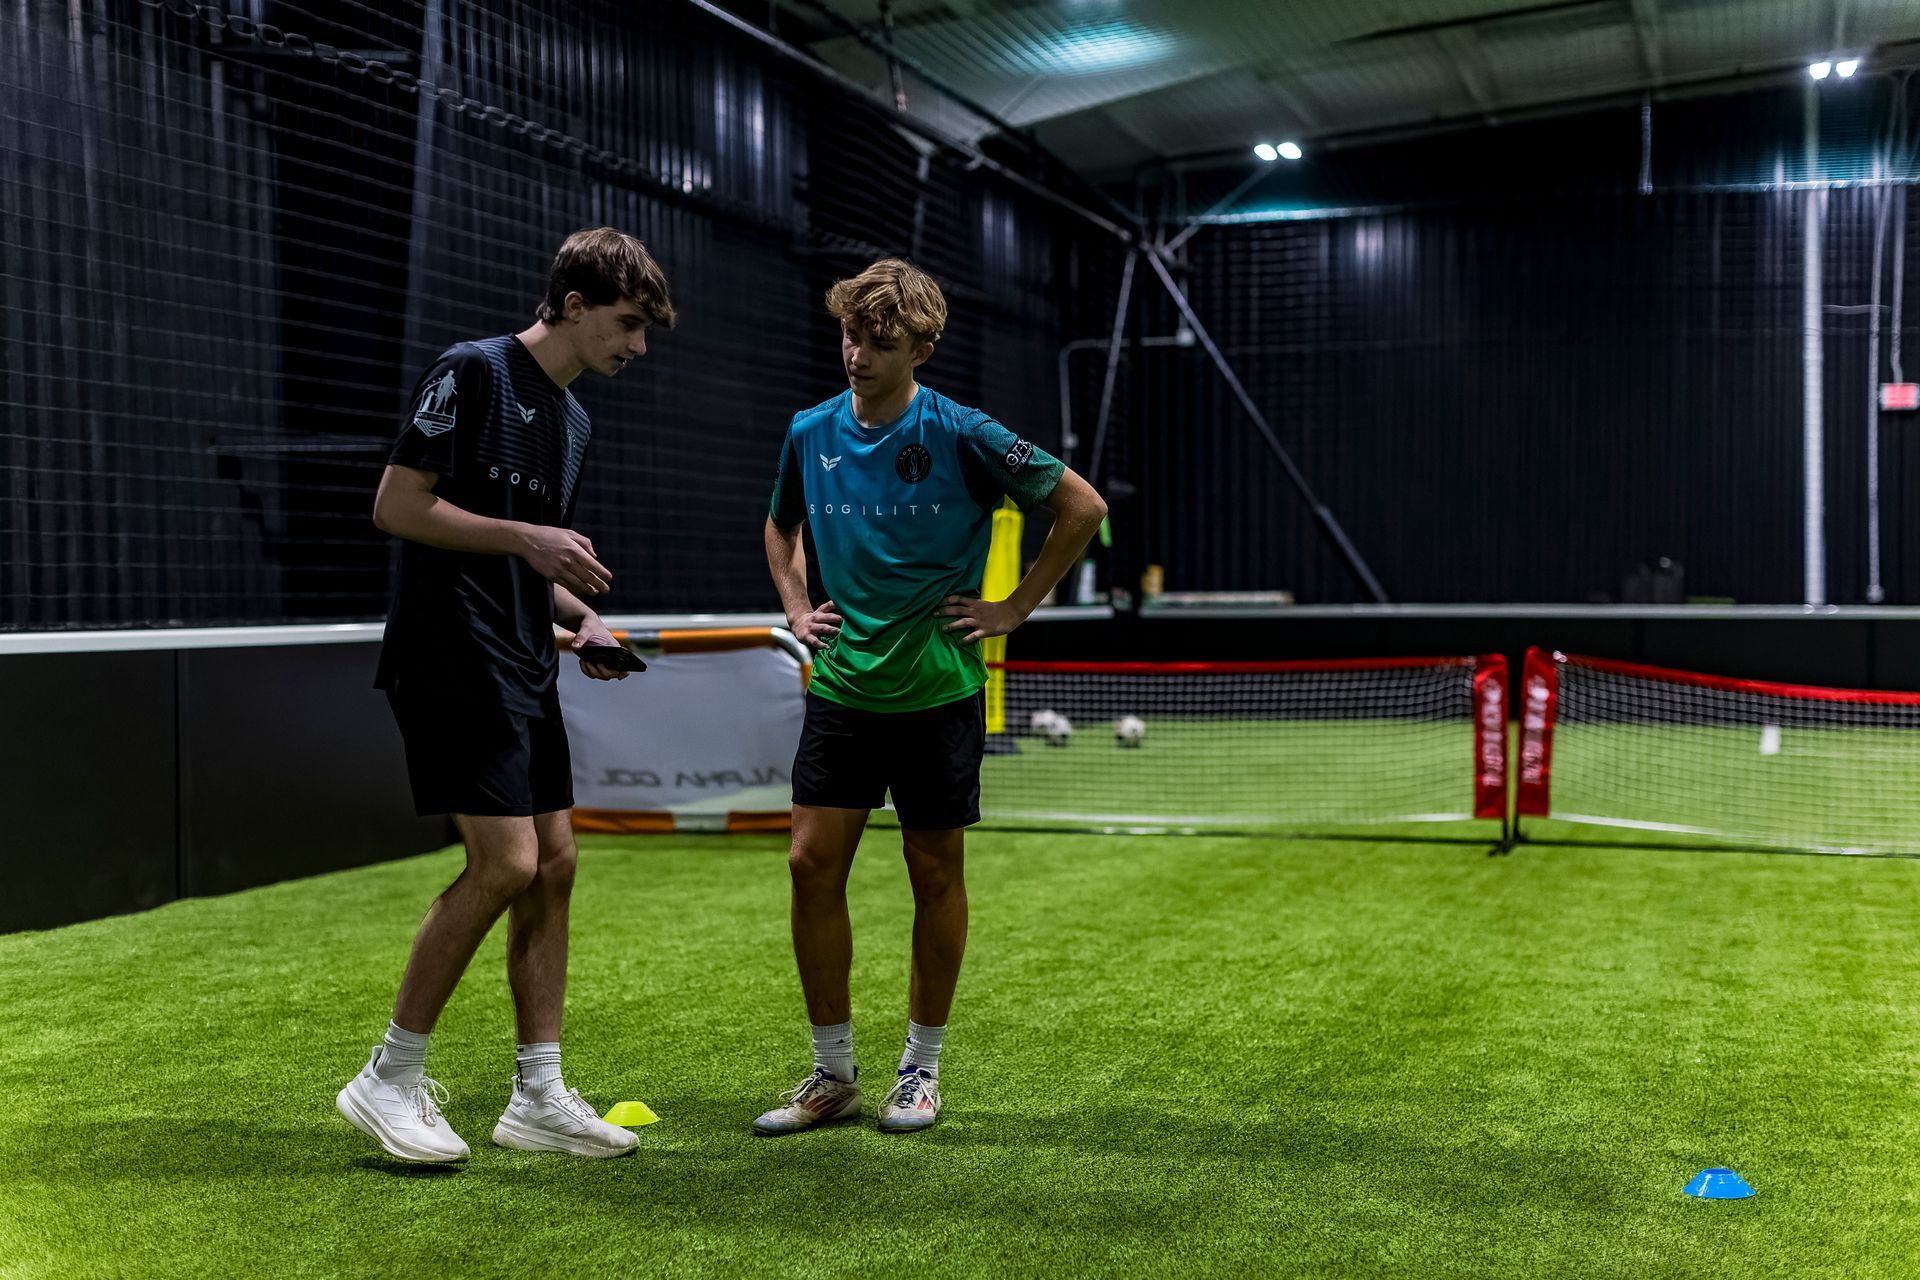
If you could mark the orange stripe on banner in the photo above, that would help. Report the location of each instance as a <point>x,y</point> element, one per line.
<point>716,639</point>
<point>769,820</point>
<point>635,822</point>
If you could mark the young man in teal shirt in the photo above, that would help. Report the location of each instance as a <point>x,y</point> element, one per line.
<point>899,484</point>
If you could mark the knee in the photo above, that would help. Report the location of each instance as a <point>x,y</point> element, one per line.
<point>933,876</point>
<point>814,874</point>
<point>936,884</point>
<point>506,873</point>
<point>557,867</point>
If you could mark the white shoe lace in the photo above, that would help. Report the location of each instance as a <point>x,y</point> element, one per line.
<point>815,1083</point>
<point>905,1092</point>
<point>425,1099</point>
<point>573,1104</point>
<point>568,1101</point>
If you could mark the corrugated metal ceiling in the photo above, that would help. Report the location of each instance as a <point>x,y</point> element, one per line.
<point>1110,84</point>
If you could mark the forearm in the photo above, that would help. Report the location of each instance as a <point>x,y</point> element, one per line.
<point>1074,524</point>
<point>570,611</point>
<point>432,520</point>
<point>787,560</point>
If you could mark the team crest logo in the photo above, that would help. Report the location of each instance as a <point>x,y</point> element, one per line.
<point>436,409</point>
<point>1018,456</point>
<point>913,463</point>
<point>526,414</point>
<point>830,463</point>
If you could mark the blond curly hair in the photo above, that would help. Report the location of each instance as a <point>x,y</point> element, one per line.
<point>891,299</point>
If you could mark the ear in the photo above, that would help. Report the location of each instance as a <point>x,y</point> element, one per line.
<point>573,306</point>
<point>921,353</point>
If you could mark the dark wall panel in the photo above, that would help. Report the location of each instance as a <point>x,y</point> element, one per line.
<point>1896,657</point>
<point>1499,403</point>
<point>1514,375</point>
<point>87,770</point>
<point>132,779</point>
<point>290,766</point>
<point>1829,651</point>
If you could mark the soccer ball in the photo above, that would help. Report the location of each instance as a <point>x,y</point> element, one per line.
<point>1043,722</point>
<point>1059,731</point>
<point>1129,731</point>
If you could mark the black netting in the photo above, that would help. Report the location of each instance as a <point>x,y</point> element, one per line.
<point>234,234</point>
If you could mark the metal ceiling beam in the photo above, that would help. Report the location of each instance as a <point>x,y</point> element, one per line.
<point>1895,57</point>
<point>1496,17</point>
<point>849,27</point>
<point>1013,134</point>
<point>1469,62</point>
<point>914,124</point>
<point>1194,225</point>
<point>1646,29</point>
<point>1295,99</point>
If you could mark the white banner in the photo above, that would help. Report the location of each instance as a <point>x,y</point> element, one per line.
<point>696,733</point>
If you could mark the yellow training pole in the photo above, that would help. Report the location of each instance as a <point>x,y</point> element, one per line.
<point>1001,577</point>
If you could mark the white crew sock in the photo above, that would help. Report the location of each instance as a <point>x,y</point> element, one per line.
<point>539,1066</point>
<point>833,1049</point>
<point>923,1047</point>
<point>403,1055</point>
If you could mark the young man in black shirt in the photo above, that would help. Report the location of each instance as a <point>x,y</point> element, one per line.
<point>481,487</point>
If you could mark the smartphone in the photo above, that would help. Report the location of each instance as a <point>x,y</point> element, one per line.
<point>614,657</point>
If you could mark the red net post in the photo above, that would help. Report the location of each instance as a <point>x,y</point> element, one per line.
<point>1490,738</point>
<point>1540,689</point>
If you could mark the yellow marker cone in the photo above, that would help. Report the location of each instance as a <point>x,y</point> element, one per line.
<point>631,1115</point>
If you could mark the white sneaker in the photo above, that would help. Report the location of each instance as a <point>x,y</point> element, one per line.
<point>912,1104</point>
<point>559,1120</point>
<point>822,1098</point>
<point>404,1119</point>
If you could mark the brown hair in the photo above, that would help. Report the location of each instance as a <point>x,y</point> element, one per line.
<point>891,298</point>
<point>603,266</point>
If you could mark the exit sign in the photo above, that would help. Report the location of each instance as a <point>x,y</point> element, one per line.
<point>1900,395</point>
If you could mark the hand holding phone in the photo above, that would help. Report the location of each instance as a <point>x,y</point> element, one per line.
<point>614,657</point>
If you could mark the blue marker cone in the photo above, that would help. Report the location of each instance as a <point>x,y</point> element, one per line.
<point>1719,1184</point>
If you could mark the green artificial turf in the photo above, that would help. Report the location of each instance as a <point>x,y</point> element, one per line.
<point>1205,1056</point>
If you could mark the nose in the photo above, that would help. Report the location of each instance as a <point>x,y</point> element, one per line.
<point>639,345</point>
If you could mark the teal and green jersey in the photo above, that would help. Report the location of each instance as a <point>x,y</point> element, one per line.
<point>902,515</point>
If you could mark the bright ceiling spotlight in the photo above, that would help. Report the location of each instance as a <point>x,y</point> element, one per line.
<point>1820,70</point>
<point>1291,150</point>
<point>1847,67</point>
<point>1266,152</point>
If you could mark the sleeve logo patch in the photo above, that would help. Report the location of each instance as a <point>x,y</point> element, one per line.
<point>1018,456</point>
<point>436,410</point>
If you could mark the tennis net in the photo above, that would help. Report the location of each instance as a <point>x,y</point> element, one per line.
<point>1303,746</point>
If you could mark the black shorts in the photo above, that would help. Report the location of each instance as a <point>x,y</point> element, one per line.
<point>476,757</point>
<point>929,760</point>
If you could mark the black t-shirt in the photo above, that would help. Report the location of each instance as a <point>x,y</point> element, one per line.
<point>506,443</point>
